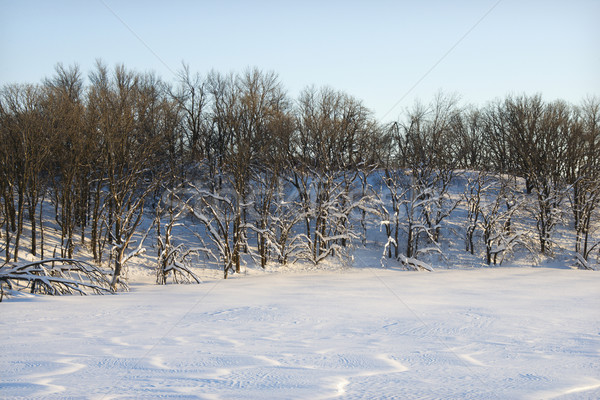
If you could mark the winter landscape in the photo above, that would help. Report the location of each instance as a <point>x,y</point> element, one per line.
<point>299,200</point>
<point>216,239</point>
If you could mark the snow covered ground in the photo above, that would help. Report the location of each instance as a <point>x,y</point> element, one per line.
<point>372,333</point>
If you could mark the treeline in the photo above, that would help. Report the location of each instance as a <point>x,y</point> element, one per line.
<point>230,149</point>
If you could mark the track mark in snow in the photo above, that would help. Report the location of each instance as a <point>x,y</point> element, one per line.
<point>50,387</point>
<point>47,377</point>
<point>234,342</point>
<point>209,396</point>
<point>119,342</point>
<point>219,373</point>
<point>325,351</point>
<point>532,377</point>
<point>396,367</point>
<point>158,362</point>
<point>69,369</point>
<point>271,362</point>
<point>181,340</point>
<point>390,325</point>
<point>470,359</point>
<point>590,384</point>
<point>341,386</point>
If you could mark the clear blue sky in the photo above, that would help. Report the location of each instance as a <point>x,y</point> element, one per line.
<point>374,50</point>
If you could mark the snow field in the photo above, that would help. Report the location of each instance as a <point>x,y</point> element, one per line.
<point>497,333</point>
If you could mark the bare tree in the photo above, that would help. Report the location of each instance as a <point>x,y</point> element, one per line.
<point>192,97</point>
<point>584,199</point>
<point>476,186</point>
<point>498,204</point>
<point>395,182</point>
<point>333,135</point>
<point>245,110</point>
<point>65,109</point>
<point>467,140</point>
<point>25,155</point>
<point>431,162</point>
<point>287,213</point>
<point>497,146</point>
<point>134,123</point>
<point>173,260</point>
<point>371,204</point>
<point>538,136</point>
<point>583,174</point>
<point>218,214</point>
<point>265,182</point>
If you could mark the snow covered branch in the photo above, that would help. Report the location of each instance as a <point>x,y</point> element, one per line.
<point>56,276</point>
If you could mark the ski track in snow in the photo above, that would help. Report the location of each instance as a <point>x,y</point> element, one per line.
<point>496,334</point>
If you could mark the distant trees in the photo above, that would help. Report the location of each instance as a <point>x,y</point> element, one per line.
<point>251,129</point>
<point>333,139</point>
<point>98,152</point>
<point>491,201</point>
<point>419,179</point>
<point>192,97</point>
<point>583,174</point>
<point>553,146</point>
<point>138,128</point>
<point>70,162</point>
<point>538,134</point>
<point>542,142</point>
<point>278,179</point>
<point>25,152</point>
<point>265,145</point>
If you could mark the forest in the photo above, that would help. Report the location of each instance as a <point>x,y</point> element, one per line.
<point>279,179</point>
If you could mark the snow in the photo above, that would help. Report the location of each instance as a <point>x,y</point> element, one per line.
<point>485,333</point>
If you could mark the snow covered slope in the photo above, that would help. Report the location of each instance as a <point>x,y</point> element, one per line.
<point>493,333</point>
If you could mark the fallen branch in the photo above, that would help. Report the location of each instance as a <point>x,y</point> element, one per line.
<point>56,276</point>
<point>413,264</point>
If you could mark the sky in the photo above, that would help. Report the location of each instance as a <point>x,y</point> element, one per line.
<point>388,54</point>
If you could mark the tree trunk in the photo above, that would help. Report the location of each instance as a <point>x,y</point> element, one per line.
<point>42,227</point>
<point>488,247</point>
<point>7,241</point>
<point>409,241</point>
<point>33,231</point>
<point>118,268</point>
<point>21,204</point>
<point>237,242</point>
